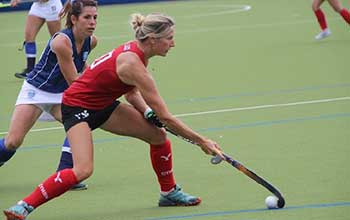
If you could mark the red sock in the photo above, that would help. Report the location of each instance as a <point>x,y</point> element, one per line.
<point>321,18</point>
<point>346,15</point>
<point>161,157</point>
<point>52,187</point>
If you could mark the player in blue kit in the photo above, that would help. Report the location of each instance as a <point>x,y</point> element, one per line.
<point>41,12</point>
<point>60,64</point>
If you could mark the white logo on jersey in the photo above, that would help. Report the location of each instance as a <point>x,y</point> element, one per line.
<point>166,158</point>
<point>126,47</point>
<point>85,55</point>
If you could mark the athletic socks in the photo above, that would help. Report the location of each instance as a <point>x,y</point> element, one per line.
<point>30,51</point>
<point>5,154</point>
<point>66,160</point>
<point>345,14</point>
<point>55,185</point>
<point>321,18</point>
<point>161,158</point>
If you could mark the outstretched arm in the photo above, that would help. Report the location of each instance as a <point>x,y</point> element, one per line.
<point>131,71</point>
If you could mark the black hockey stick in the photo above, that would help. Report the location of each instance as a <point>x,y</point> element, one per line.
<point>281,202</point>
<point>215,160</point>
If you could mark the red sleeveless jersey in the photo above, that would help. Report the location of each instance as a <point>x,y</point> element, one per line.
<point>99,86</point>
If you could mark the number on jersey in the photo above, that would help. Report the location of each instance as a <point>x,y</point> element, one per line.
<point>101,59</point>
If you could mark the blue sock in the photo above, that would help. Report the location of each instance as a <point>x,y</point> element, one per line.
<point>66,160</point>
<point>5,154</point>
<point>30,49</point>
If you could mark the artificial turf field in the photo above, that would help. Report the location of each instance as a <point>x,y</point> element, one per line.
<point>259,84</point>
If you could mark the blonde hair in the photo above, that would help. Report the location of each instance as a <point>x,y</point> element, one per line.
<point>155,25</point>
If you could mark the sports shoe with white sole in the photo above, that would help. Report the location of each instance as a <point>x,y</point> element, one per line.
<point>79,186</point>
<point>323,34</point>
<point>178,198</point>
<point>20,211</point>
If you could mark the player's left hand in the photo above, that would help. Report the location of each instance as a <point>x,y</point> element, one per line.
<point>151,116</point>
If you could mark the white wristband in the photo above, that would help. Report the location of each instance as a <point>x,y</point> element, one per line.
<point>148,110</point>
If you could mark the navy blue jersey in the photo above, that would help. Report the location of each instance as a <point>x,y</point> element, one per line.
<point>47,75</point>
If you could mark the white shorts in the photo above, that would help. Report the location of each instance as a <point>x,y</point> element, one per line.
<point>47,10</point>
<point>44,100</point>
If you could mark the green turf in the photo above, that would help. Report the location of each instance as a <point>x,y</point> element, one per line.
<point>223,59</point>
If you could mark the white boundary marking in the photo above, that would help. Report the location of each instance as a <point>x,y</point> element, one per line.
<point>265,106</point>
<point>196,30</point>
<point>225,9</point>
<point>229,9</point>
<point>346,98</point>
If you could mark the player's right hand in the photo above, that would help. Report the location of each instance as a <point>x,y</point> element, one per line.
<point>212,148</point>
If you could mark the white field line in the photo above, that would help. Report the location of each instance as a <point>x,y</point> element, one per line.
<point>265,106</point>
<point>233,9</point>
<point>222,10</point>
<point>195,30</point>
<point>231,110</point>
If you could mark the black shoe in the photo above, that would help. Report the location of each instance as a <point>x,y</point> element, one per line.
<point>23,74</point>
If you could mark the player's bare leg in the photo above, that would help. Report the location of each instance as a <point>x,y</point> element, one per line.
<point>32,27</point>
<point>135,125</point>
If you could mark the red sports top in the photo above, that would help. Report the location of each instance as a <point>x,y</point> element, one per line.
<point>99,86</point>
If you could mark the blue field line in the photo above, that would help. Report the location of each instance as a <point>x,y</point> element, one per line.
<point>274,122</point>
<point>261,93</point>
<point>229,127</point>
<point>104,140</point>
<point>233,212</point>
<point>246,94</point>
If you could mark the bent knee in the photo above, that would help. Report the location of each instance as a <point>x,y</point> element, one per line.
<point>337,9</point>
<point>83,173</point>
<point>159,138</point>
<point>316,4</point>
<point>315,7</point>
<point>13,142</point>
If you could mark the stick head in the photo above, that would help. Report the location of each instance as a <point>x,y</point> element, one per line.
<point>215,160</point>
<point>281,202</point>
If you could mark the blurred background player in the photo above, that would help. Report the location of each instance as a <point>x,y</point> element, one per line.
<point>90,102</point>
<point>66,8</point>
<point>40,12</point>
<point>40,97</point>
<point>321,18</point>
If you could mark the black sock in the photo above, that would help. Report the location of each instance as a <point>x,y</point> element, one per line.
<point>30,63</point>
